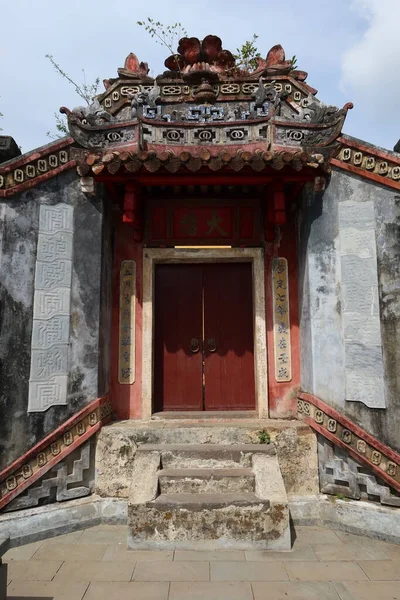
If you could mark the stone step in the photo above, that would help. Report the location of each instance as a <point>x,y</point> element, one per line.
<point>176,519</point>
<point>198,456</point>
<point>204,415</point>
<point>205,481</point>
<point>208,522</point>
<point>207,501</point>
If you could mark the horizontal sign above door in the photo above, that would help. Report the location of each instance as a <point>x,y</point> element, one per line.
<point>170,223</point>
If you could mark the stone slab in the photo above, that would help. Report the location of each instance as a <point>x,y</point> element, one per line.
<point>56,218</point>
<point>371,590</point>
<point>172,571</point>
<point>231,527</point>
<point>362,329</point>
<point>194,481</point>
<point>75,552</point>
<point>358,215</point>
<point>360,270</point>
<point>209,556</point>
<point>53,275</point>
<point>34,524</point>
<point>248,571</point>
<point>380,570</point>
<point>33,570</point>
<point>351,516</point>
<point>360,242</point>
<point>54,246</point>
<point>104,536</point>
<point>336,552</point>
<point>46,590</point>
<point>210,590</point>
<point>127,591</point>
<point>24,552</point>
<point>43,394</point>
<point>119,552</point>
<point>298,553</point>
<point>48,303</point>
<point>310,590</point>
<point>95,571</point>
<point>325,571</point>
<point>47,332</point>
<point>207,501</point>
<point>360,298</point>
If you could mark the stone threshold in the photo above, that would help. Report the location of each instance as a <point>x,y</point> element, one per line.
<point>220,415</point>
<point>253,423</point>
<point>350,516</point>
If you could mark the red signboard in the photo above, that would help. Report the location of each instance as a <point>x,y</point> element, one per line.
<point>171,222</point>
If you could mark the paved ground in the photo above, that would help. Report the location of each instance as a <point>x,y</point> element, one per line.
<point>95,565</point>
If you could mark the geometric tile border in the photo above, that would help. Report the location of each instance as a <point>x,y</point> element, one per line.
<point>40,165</point>
<point>360,444</point>
<point>44,163</point>
<point>368,161</point>
<point>53,448</point>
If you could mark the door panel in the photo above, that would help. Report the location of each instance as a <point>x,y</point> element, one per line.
<point>178,319</point>
<point>228,319</point>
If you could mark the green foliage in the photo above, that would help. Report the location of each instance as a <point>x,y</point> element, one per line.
<point>264,437</point>
<point>166,35</point>
<point>84,90</point>
<point>61,127</point>
<point>341,497</point>
<point>293,60</point>
<point>246,56</point>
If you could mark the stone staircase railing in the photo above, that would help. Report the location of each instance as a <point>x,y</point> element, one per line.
<point>355,441</point>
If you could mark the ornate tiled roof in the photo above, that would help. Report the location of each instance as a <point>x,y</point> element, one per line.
<point>203,113</point>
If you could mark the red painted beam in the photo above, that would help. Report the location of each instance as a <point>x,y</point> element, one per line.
<point>204,179</point>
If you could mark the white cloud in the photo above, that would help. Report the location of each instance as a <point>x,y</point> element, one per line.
<point>371,66</point>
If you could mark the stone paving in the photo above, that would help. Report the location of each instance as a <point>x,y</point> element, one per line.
<point>94,564</point>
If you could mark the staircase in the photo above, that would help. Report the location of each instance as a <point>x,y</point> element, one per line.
<point>207,496</point>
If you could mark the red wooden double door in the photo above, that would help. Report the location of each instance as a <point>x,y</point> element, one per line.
<point>204,354</point>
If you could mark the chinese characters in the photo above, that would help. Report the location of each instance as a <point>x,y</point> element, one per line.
<point>282,349</point>
<point>127,298</point>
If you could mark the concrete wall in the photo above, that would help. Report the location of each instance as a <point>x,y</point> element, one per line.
<point>349,294</point>
<point>88,340</point>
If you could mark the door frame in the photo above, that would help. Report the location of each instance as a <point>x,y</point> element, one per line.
<point>255,256</point>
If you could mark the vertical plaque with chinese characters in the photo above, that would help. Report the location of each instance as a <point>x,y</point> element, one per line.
<point>282,347</point>
<point>127,301</point>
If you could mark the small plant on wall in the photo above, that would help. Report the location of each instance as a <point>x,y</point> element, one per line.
<point>264,437</point>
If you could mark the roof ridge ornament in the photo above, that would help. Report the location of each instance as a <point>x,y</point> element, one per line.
<point>196,58</point>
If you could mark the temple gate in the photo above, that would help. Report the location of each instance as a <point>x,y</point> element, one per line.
<point>209,262</point>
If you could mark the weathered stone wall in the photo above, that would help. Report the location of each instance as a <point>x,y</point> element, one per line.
<point>88,338</point>
<point>349,291</point>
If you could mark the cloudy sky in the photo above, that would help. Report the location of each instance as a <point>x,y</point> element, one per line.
<point>350,48</point>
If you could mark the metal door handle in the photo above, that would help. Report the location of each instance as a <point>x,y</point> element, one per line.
<point>194,345</point>
<point>212,345</point>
